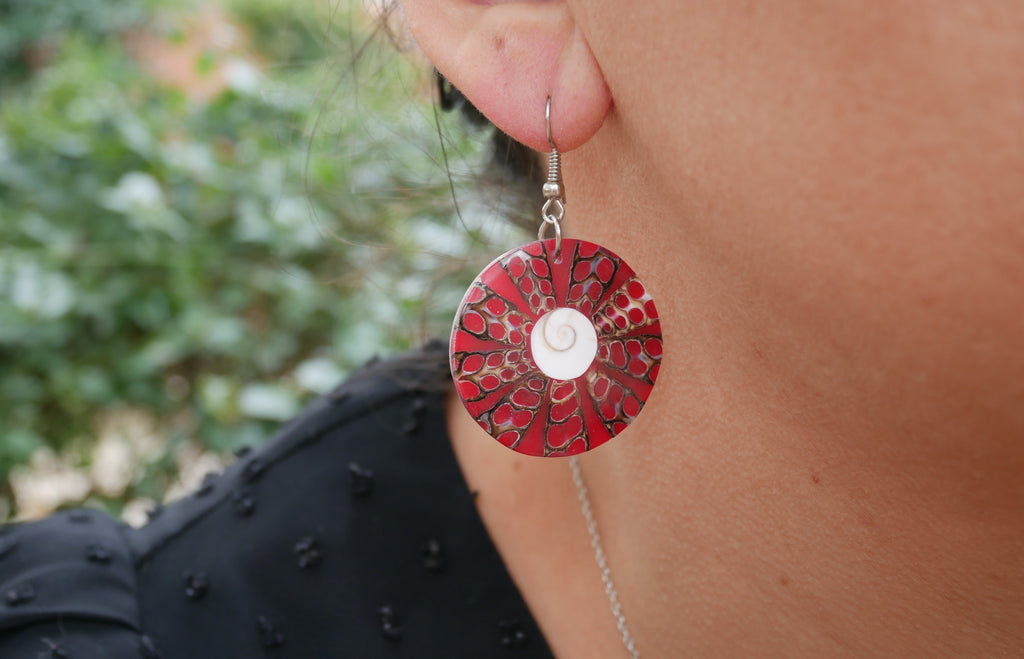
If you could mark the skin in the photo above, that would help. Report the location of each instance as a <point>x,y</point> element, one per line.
<point>827,202</point>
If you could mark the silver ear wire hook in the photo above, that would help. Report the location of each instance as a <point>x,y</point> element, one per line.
<point>554,193</point>
<point>547,124</point>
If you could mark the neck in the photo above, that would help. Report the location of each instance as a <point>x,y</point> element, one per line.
<point>731,531</point>
<point>791,487</point>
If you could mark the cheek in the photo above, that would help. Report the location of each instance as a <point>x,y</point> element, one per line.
<point>855,182</point>
<point>890,266</point>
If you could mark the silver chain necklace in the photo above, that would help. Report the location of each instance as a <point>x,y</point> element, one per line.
<point>602,560</point>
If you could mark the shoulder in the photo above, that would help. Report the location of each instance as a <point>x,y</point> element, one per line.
<point>67,586</point>
<point>350,532</point>
<point>336,450</point>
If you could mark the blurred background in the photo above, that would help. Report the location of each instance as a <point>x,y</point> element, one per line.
<point>210,212</point>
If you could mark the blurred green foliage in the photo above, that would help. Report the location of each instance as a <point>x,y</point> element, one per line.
<point>29,29</point>
<point>213,259</point>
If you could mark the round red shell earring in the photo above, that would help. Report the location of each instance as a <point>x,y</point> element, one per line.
<point>557,344</point>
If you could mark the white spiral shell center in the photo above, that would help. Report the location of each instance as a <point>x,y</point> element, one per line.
<point>563,344</point>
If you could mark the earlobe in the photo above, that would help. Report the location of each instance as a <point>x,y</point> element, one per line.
<point>509,58</point>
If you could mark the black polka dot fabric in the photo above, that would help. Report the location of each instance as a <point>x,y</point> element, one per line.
<point>350,534</point>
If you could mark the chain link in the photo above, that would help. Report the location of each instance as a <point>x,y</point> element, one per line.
<point>602,560</point>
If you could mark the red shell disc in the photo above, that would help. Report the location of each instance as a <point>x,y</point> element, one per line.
<point>497,377</point>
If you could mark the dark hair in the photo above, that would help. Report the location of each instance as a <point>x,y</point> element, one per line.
<point>514,166</point>
<point>425,369</point>
<point>513,158</point>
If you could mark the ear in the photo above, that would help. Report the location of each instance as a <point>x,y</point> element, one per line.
<point>508,56</point>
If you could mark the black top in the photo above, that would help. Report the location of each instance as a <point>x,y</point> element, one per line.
<point>350,534</point>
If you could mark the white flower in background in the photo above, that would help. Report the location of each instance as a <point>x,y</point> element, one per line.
<point>46,294</point>
<point>319,375</point>
<point>136,512</point>
<point>193,466</point>
<point>47,483</point>
<point>217,394</point>
<point>113,465</point>
<point>139,197</point>
<point>126,439</point>
<point>293,214</point>
<point>265,401</point>
<point>195,159</point>
<point>134,192</point>
<point>450,241</point>
<point>270,177</point>
<point>242,76</point>
<point>251,223</point>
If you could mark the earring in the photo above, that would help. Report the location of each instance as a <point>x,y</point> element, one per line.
<point>557,344</point>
